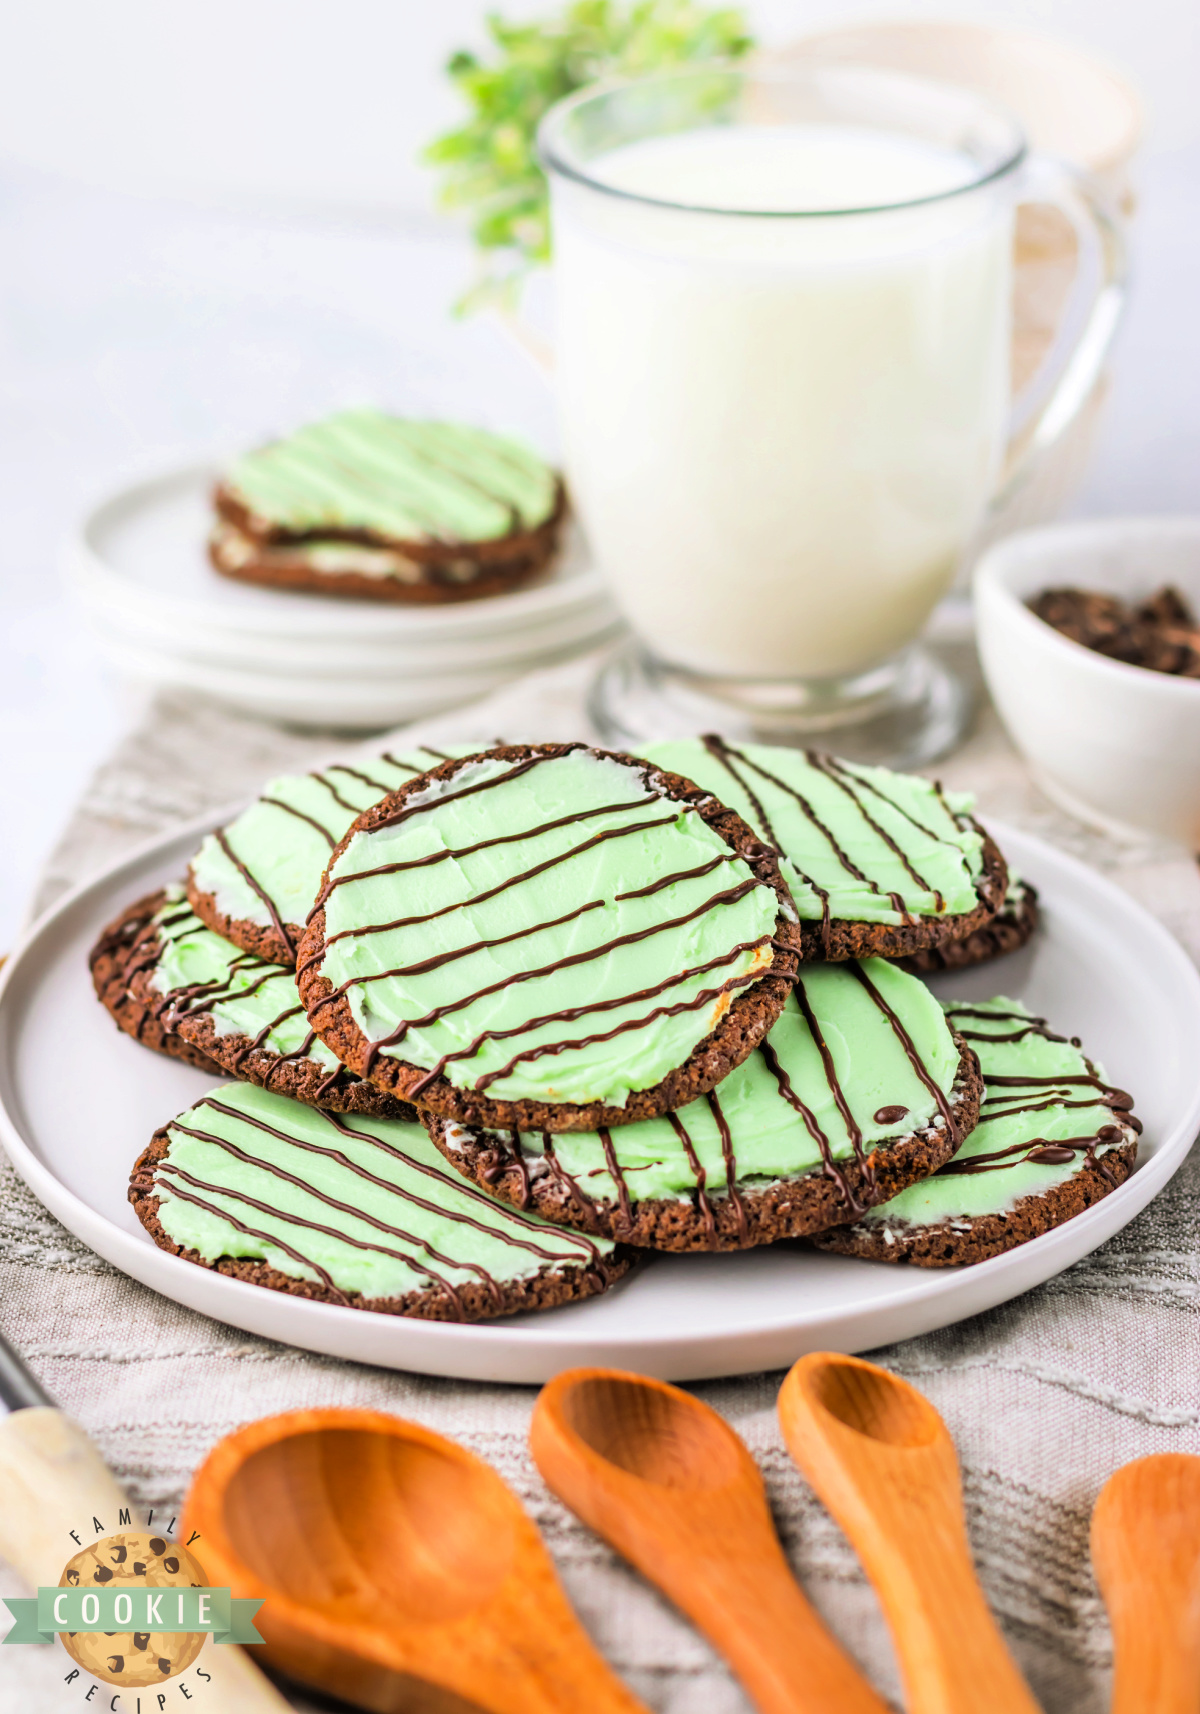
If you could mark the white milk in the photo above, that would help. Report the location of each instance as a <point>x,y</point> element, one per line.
<point>781,432</point>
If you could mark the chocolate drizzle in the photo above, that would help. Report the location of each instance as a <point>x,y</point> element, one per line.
<point>1029,1026</point>
<point>723,753</point>
<point>730,895</point>
<point>829,1165</point>
<point>615,1173</point>
<point>856,1199</point>
<point>905,1040</point>
<point>341,811</point>
<point>889,1115</point>
<point>853,1130</point>
<point>1037,1093</point>
<point>705,997</point>
<point>701,1174</point>
<point>720,751</point>
<point>833,770</point>
<point>239,1226</point>
<point>456,853</point>
<point>859,791</point>
<point>503,886</point>
<point>254,885</point>
<point>730,1159</point>
<point>1044,1151</point>
<point>290,809</point>
<point>506,1225</point>
<point>245,976</point>
<point>408,810</point>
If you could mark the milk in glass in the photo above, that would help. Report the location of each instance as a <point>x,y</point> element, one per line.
<point>781,430</point>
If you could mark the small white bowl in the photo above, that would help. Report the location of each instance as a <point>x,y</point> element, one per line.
<point>1117,745</point>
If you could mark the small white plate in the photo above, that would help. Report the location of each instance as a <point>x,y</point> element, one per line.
<point>143,549</point>
<point>79,1101</point>
<point>341,658</point>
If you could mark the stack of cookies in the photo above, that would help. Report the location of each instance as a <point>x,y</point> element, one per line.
<point>503,1020</point>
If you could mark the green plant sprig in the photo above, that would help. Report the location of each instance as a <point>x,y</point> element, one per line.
<point>489,164</point>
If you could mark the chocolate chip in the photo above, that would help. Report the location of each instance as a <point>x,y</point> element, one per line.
<point>164,1666</point>
<point>116,1663</point>
<point>172,1565</point>
<point>119,1555</point>
<point>72,1577</point>
<point>889,1115</point>
<point>139,1567</point>
<point>140,1639</point>
<point>157,1544</point>
<point>103,1574</point>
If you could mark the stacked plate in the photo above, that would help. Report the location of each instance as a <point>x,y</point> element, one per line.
<point>161,613</point>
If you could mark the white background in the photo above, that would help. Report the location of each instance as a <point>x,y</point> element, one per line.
<point>212,221</point>
<point>326,102</point>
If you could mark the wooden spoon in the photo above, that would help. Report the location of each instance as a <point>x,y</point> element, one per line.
<point>1146,1551</point>
<point>667,1482</point>
<point>397,1570</point>
<point>881,1459</point>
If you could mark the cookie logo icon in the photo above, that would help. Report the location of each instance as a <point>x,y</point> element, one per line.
<point>133,1561</point>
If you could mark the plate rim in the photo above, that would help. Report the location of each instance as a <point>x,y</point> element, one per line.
<point>532,1351</point>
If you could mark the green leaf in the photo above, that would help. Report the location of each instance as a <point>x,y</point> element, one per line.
<point>488,165</point>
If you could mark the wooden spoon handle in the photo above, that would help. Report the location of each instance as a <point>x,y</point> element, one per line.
<point>880,1458</point>
<point>753,1613</point>
<point>1146,1553</point>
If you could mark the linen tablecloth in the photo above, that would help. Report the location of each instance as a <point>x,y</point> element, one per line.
<point>1045,1396</point>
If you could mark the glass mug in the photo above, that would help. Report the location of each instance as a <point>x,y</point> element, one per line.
<point>783,308</point>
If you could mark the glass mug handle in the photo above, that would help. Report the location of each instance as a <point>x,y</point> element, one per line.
<point>1064,380</point>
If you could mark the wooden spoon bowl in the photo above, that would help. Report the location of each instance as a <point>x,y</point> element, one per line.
<point>649,1429</point>
<point>397,1570</point>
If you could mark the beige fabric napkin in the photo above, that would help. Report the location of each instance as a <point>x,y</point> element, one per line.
<point>1045,1396</point>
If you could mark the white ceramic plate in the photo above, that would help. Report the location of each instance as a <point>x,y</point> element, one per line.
<point>1101,967</point>
<point>354,702</point>
<point>143,549</point>
<point>340,658</point>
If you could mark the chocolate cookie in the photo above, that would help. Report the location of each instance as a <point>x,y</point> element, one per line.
<point>254,881</point>
<point>241,1015</point>
<point>382,508</point>
<point>1008,931</point>
<point>549,936</point>
<point>879,864</point>
<point>1053,1138</point>
<point>861,1087</point>
<point>125,947</point>
<point>363,1213</point>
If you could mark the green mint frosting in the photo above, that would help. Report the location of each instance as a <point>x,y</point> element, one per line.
<point>399,479</point>
<point>832,822</point>
<point>1015,1121</point>
<point>285,837</point>
<point>769,1137</point>
<point>242,994</point>
<point>554,931</point>
<point>364,1205</point>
